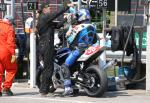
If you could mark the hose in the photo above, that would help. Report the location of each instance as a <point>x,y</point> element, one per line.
<point>125,46</point>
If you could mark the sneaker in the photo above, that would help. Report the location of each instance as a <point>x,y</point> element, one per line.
<point>7,92</point>
<point>0,94</point>
<point>68,92</point>
<point>46,94</point>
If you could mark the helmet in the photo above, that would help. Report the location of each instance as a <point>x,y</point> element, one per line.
<point>83,15</point>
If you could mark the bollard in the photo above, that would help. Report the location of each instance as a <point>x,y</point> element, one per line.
<point>32,60</point>
<point>148,52</point>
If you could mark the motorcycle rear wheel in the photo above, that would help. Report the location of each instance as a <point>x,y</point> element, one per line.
<point>98,80</point>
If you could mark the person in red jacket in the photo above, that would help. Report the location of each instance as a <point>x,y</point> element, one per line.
<point>7,55</point>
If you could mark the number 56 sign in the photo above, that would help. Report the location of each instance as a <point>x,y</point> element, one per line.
<point>102,3</point>
<point>96,3</point>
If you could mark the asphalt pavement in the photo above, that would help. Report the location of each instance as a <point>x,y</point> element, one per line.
<point>24,94</point>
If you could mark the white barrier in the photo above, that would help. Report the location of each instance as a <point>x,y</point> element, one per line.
<point>148,54</point>
<point>32,60</point>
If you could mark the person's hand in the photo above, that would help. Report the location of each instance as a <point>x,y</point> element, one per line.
<point>68,34</point>
<point>65,16</point>
<point>70,5</point>
<point>13,58</point>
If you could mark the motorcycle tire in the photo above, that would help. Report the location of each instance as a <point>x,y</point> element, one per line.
<point>99,76</point>
<point>38,81</point>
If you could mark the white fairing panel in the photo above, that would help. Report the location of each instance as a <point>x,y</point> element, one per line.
<point>89,52</point>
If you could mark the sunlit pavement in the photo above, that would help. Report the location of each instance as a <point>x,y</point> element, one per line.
<point>24,94</point>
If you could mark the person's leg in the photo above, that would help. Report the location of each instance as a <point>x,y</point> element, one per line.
<point>48,69</point>
<point>10,74</point>
<point>45,82</point>
<point>28,43</point>
<point>11,69</point>
<point>69,62</point>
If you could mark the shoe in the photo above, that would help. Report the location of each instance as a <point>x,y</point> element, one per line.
<point>46,94</point>
<point>68,92</point>
<point>43,94</point>
<point>0,94</point>
<point>7,92</point>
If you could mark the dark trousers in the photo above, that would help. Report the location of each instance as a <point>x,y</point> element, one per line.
<point>46,52</point>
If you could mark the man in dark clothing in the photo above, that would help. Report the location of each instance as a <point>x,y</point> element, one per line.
<point>46,27</point>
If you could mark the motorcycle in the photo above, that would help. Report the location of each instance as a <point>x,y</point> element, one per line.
<point>85,73</point>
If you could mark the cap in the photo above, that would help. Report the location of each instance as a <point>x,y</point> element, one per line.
<point>44,5</point>
<point>10,18</point>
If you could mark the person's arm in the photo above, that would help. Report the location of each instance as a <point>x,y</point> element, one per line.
<point>58,25</point>
<point>69,31</point>
<point>47,19</point>
<point>11,40</point>
<point>44,23</point>
<point>11,43</point>
<point>54,16</point>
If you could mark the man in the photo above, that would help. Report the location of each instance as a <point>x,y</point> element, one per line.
<point>80,37</point>
<point>46,27</point>
<point>28,30</point>
<point>7,55</point>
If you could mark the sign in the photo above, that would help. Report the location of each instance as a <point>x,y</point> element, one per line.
<point>144,40</point>
<point>32,5</point>
<point>102,3</point>
<point>95,3</point>
<point>2,7</point>
<point>123,5</point>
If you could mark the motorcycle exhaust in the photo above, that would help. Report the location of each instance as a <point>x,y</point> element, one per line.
<point>110,64</point>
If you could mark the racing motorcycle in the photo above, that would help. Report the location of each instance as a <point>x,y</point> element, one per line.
<point>85,73</point>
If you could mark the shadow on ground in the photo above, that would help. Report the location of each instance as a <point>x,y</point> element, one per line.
<point>26,93</point>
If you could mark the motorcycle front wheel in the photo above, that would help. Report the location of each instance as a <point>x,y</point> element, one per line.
<point>97,81</point>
